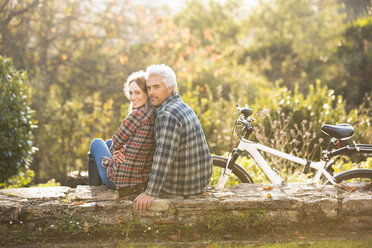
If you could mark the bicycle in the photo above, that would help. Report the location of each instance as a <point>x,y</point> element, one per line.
<point>336,132</point>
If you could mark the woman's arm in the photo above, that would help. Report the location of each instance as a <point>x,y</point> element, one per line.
<point>126,130</point>
<point>118,155</point>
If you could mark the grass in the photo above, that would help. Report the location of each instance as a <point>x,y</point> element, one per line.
<point>321,244</point>
<point>329,243</point>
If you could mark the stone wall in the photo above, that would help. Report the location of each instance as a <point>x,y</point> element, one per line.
<point>238,212</point>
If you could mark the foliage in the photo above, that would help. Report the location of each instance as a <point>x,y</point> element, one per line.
<point>73,59</point>
<point>218,21</point>
<point>293,40</point>
<point>344,164</point>
<point>353,75</point>
<point>22,179</point>
<point>15,121</point>
<point>291,122</point>
<point>51,183</point>
<point>357,9</point>
<point>73,125</point>
<point>79,53</point>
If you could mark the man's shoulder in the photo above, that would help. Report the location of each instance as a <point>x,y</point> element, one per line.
<point>175,109</point>
<point>168,112</point>
<point>176,106</point>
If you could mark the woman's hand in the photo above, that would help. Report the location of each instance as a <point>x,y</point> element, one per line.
<point>119,156</point>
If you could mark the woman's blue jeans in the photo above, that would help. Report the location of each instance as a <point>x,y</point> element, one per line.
<point>100,149</point>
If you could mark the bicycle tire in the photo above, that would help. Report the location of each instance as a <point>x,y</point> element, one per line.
<point>237,169</point>
<point>354,174</point>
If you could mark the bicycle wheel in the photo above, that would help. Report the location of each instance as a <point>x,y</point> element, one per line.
<point>239,174</point>
<point>362,174</point>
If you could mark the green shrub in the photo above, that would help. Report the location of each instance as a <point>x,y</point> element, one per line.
<point>15,121</point>
<point>22,179</point>
<point>291,122</point>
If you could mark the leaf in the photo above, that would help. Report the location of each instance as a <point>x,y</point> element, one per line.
<point>269,195</point>
<point>268,188</point>
<point>123,59</point>
<point>78,203</point>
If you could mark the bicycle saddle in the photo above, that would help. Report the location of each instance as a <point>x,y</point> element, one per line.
<point>340,131</point>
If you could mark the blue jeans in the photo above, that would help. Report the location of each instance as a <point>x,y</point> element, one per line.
<point>100,149</point>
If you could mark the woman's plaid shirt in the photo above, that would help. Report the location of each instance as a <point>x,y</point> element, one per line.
<point>182,162</point>
<point>136,137</point>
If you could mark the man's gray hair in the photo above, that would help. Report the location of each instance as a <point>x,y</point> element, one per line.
<point>167,74</point>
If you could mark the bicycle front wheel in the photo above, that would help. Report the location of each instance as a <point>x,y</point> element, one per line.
<point>239,174</point>
<point>356,175</point>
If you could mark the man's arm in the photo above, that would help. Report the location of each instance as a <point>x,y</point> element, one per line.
<point>143,202</point>
<point>167,136</point>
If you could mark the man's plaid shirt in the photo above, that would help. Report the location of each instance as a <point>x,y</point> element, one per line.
<point>182,162</point>
<point>136,135</point>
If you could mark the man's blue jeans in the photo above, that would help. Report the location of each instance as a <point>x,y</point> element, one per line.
<point>100,149</point>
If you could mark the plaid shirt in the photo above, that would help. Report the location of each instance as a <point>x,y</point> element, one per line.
<point>136,135</point>
<point>182,162</point>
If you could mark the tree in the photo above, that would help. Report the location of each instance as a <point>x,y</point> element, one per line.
<point>353,61</point>
<point>79,53</point>
<point>357,9</point>
<point>15,35</point>
<point>292,41</point>
<point>72,50</point>
<point>15,121</point>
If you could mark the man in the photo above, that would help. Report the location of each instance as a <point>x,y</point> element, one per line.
<point>182,163</point>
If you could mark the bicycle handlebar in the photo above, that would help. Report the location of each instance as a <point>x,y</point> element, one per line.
<point>247,111</point>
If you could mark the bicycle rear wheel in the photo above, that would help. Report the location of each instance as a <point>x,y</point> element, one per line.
<point>358,175</point>
<point>239,174</point>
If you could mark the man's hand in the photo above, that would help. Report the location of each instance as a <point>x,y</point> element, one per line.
<point>119,156</point>
<point>143,202</point>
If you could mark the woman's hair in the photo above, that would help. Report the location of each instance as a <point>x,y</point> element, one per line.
<point>167,74</point>
<point>139,78</point>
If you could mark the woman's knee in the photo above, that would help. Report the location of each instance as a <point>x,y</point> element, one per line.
<point>108,143</point>
<point>95,142</point>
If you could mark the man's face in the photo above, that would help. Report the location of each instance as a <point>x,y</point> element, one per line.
<point>157,90</point>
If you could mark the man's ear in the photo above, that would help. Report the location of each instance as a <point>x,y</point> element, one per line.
<point>170,90</point>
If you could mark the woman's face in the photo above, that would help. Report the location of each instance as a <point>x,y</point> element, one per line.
<point>137,97</point>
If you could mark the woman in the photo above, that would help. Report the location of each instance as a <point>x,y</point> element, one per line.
<point>125,160</point>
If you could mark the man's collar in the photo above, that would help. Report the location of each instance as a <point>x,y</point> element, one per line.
<point>168,100</point>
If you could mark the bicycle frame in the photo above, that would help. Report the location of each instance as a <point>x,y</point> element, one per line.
<point>253,149</point>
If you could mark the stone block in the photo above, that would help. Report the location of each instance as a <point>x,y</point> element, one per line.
<point>94,193</point>
<point>281,217</point>
<point>103,213</point>
<point>318,208</point>
<point>38,193</point>
<point>202,203</point>
<point>159,205</point>
<point>357,204</point>
<point>9,211</point>
<point>302,205</point>
<point>358,222</point>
